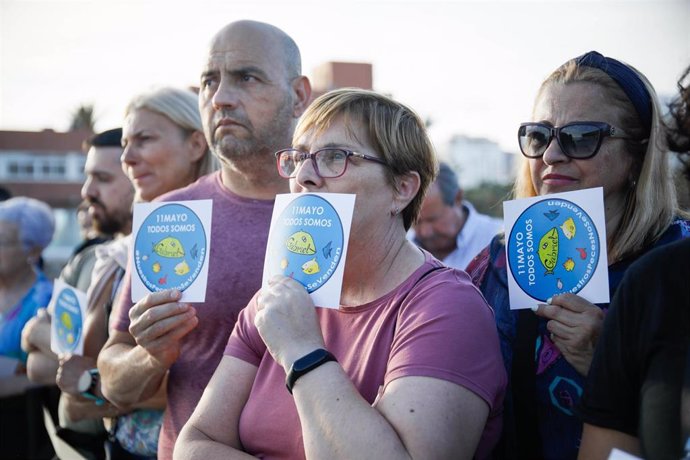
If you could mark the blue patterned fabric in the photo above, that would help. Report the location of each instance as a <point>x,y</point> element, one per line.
<point>558,385</point>
<point>12,322</point>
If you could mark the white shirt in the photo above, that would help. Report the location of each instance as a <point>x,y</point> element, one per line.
<point>475,235</point>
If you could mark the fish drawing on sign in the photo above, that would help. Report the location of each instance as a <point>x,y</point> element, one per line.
<point>548,250</point>
<point>310,267</point>
<point>66,320</point>
<point>327,250</point>
<point>156,267</point>
<point>552,215</point>
<point>568,228</point>
<point>182,268</point>
<point>169,247</point>
<point>284,263</point>
<point>163,280</point>
<point>301,243</point>
<point>569,264</point>
<point>582,252</point>
<point>559,284</point>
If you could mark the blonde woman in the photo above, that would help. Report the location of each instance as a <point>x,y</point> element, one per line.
<point>596,123</point>
<point>164,150</point>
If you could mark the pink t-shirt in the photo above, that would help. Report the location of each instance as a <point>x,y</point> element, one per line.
<point>435,324</point>
<point>239,231</point>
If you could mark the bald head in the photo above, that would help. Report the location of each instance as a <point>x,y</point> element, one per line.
<point>270,39</point>
<point>251,95</point>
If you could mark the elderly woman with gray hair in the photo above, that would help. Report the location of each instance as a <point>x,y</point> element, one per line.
<point>26,228</point>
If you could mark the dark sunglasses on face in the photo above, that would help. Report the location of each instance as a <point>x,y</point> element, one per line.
<point>579,140</point>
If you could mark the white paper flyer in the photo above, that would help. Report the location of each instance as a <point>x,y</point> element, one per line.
<point>170,249</point>
<point>556,244</point>
<point>68,309</point>
<point>308,242</point>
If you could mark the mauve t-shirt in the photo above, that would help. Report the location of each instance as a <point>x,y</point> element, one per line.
<point>435,324</point>
<point>239,231</point>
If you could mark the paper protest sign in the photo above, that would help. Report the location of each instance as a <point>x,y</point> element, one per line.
<point>556,244</point>
<point>170,249</point>
<point>308,242</point>
<point>68,309</point>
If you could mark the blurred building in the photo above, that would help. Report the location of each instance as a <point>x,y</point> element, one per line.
<point>45,165</point>
<point>48,166</point>
<point>478,160</point>
<point>333,75</point>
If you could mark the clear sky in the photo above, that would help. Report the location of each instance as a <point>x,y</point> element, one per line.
<point>472,67</point>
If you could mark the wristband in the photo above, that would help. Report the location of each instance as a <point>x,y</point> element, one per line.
<point>305,364</point>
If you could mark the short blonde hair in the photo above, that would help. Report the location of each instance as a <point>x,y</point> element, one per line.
<point>651,202</point>
<point>181,107</point>
<point>395,131</point>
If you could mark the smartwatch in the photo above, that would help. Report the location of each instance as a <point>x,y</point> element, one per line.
<point>305,364</point>
<point>88,382</point>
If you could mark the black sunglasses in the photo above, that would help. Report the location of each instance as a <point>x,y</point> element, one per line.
<point>579,140</point>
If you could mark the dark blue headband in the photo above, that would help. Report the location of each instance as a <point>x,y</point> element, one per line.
<point>626,78</point>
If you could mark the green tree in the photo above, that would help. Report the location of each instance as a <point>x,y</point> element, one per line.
<point>83,118</point>
<point>488,197</point>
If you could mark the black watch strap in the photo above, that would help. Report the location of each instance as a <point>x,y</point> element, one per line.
<point>305,364</point>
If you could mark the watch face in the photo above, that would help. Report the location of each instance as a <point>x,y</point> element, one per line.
<point>309,360</point>
<point>84,382</point>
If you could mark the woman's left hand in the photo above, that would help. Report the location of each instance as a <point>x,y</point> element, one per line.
<point>575,327</point>
<point>286,320</point>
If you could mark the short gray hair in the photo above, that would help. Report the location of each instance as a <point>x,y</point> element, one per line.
<point>447,182</point>
<point>33,218</point>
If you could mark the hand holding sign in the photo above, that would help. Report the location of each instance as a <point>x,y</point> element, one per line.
<point>158,323</point>
<point>287,321</point>
<point>575,327</point>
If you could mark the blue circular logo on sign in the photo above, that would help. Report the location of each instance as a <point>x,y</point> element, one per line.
<point>553,248</point>
<point>170,248</point>
<point>69,321</point>
<point>307,242</point>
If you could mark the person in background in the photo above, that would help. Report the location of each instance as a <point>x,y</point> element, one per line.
<point>597,124</point>
<point>393,372</point>
<point>637,396</point>
<point>174,155</point>
<point>109,194</point>
<point>448,226</point>
<point>26,228</point>
<point>89,234</point>
<point>108,211</point>
<point>252,93</point>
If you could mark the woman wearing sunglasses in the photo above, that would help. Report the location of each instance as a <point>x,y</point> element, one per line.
<point>407,367</point>
<point>596,124</point>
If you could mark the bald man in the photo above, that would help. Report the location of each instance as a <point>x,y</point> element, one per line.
<point>251,94</point>
<point>448,226</point>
